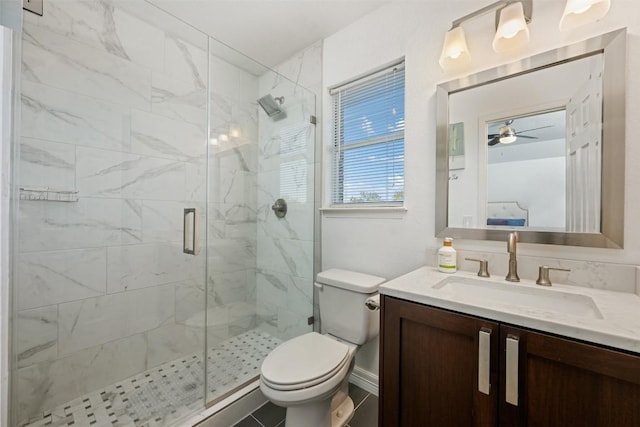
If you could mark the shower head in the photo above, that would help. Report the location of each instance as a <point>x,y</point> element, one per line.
<point>272,106</point>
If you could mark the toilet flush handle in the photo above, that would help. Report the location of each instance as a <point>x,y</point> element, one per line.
<point>373,303</point>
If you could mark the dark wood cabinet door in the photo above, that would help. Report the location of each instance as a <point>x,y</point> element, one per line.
<point>567,383</point>
<point>429,367</point>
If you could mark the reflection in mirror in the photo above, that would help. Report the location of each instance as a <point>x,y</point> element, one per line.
<point>543,148</point>
<point>525,157</point>
<point>526,172</point>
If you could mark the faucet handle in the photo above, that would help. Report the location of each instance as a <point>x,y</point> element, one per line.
<point>543,275</point>
<point>484,267</point>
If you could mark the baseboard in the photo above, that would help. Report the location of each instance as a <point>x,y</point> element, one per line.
<point>364,379</point>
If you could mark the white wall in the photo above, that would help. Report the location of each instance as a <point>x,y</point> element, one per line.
<point>390,247</point>
<point>538,185</point>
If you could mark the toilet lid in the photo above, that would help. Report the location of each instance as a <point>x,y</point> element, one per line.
<point>304,359</point>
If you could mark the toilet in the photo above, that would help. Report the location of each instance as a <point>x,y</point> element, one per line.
<point>309,374</point>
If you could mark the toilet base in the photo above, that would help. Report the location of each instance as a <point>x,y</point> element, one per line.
<point>317,414</point>
<point>343,413</point>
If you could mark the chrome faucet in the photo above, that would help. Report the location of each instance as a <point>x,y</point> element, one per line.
<point>512,275</point>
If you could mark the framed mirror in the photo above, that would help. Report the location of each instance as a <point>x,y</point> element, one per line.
<point>537,147</point>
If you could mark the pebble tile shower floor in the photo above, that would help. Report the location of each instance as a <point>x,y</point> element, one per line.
<point>165,394</point>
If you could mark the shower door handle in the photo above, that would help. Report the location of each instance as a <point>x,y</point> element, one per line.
<point>190,232</point>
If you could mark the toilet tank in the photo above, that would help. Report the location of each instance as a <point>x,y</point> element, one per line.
<point>343,313</point>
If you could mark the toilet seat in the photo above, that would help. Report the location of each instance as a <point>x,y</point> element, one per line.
<point>304,362</point>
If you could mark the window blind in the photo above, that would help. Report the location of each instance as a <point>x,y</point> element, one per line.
<point>368,139</point>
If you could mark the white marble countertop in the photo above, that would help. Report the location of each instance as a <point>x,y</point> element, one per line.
<point>618,326</point>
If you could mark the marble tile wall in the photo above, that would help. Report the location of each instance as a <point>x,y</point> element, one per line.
<point>591,274</point>
<point>114,105</point>
<point>231,303</point>
<point>286,169</point>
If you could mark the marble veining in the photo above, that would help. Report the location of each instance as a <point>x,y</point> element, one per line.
<point>37,335</point>
<point>102,25</point>
<point>86,223</point>
<point>178,99</point>
<point>116,174</point>
<point>273,279</point>
<point>285,169</point>
<point>619,326</point>
<point>592,274</point>
<point>64,116</point>
<point>287,256</point>
<point>230,287</point>
<point>186,60</point>
<point>114,104</point>
<point>30,153</point>
<point>156,136</point>
<point>46,278</point>
<point>162,220</point>
<point>47,164</point>
<point>140,266</point>
<point>66,64</point>
<point>94,321</point>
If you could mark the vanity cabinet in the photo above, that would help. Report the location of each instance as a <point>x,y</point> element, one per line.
<point>441,368</point>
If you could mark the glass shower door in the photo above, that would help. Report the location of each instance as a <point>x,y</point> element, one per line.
<point>109,306</point>
<point>260,266</point>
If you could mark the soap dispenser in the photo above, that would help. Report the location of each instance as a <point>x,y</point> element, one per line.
<point>447,257</point>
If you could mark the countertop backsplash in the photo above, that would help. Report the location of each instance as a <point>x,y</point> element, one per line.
<point>590,274</point>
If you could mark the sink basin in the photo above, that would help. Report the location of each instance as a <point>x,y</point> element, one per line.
<point>525,297</point>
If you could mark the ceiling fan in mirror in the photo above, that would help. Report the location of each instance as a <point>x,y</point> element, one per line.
<point>509,134</point>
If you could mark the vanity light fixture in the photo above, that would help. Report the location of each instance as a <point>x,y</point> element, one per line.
<point>580,12</point>
<point>512,17</point>
<point>512,30</point>
<point>454,51</point>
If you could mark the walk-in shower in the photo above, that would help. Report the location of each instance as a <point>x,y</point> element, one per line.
<point>133,128</point>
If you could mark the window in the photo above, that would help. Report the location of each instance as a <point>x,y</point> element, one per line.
<point>368,140</point>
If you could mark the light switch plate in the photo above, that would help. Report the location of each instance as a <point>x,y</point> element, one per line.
<point>34,6</point>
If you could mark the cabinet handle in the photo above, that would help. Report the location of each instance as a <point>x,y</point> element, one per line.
<point>511,395</point>
<point>190,232</point>
<point>484,360</point>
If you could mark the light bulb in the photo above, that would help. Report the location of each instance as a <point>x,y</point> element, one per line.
<point>512,29</point>
<point>580,12</point>
<point>508,139</point>
<point>454,50</point>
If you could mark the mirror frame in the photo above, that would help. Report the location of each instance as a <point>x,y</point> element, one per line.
<point>613,47</point>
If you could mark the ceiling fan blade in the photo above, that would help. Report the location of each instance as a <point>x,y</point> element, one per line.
<point>529,130</point>
<point>526,136</point>
<point>493,135</point>
<point>495,140</point>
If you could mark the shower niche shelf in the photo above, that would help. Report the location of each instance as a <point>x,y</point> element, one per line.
<point>48,194</point>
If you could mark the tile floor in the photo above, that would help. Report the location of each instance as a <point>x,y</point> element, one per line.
<point>366,414</point>
<point>165,394</point>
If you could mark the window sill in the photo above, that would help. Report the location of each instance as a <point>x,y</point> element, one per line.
<point>393,212</point>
